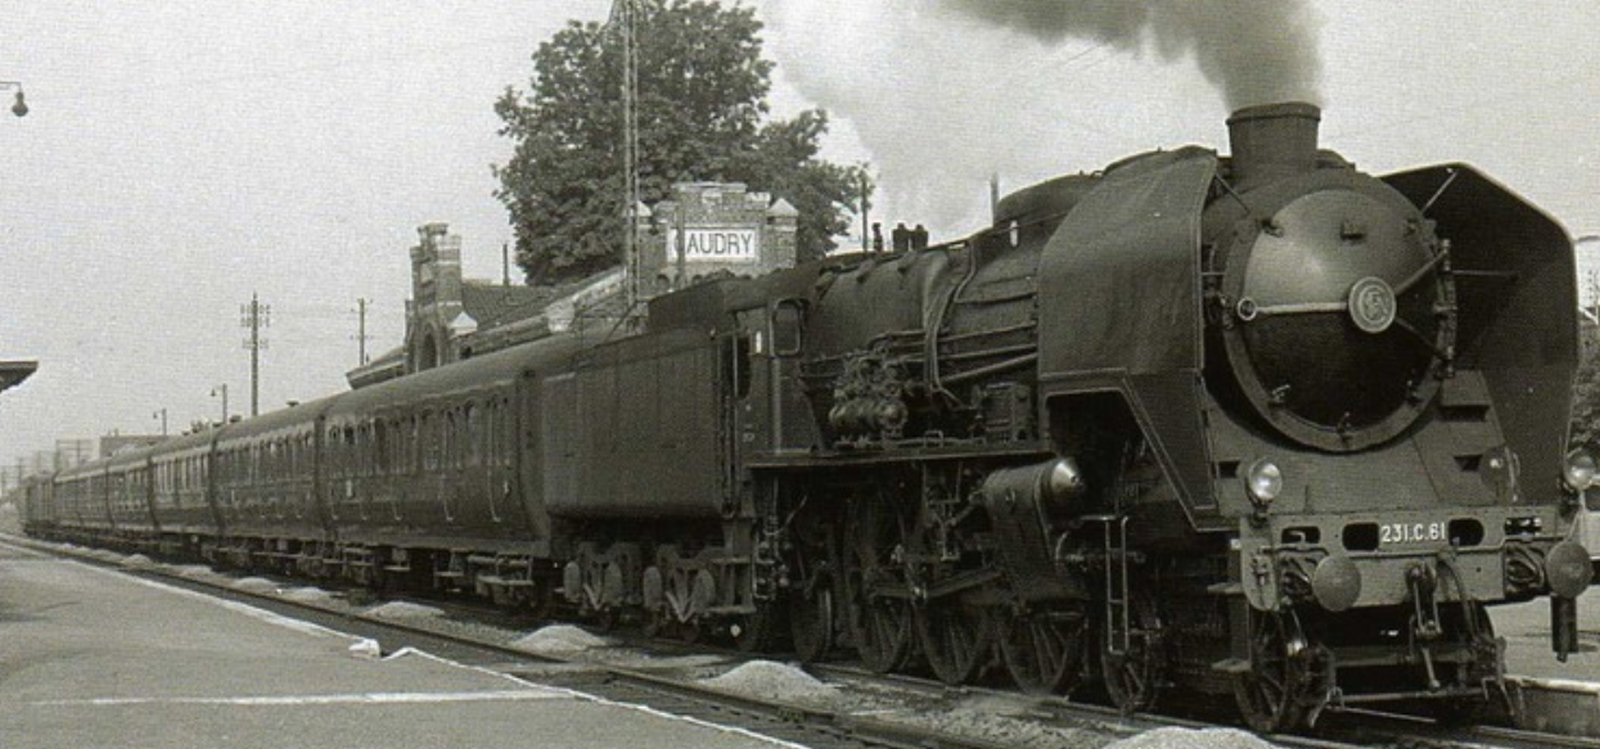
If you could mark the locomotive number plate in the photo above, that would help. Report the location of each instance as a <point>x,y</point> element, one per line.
<point>1410,533</point>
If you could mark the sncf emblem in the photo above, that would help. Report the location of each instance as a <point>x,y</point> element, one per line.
<point>1372,304</point>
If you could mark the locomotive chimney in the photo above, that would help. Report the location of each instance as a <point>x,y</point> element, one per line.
<point>1272,141</point>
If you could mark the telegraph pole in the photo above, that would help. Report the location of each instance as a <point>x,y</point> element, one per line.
<point>255,316</point>
<point>361,330</point>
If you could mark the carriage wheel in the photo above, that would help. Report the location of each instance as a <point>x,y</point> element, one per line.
<point>1043,652</point>
<point>957,640</point>
<point>657,622</point>
<point>1133,678</point>
<point>1270,693</point>
<point>607,619</point>
<point>811,623</point>
<point>758,632</point>
<point>540,600</point>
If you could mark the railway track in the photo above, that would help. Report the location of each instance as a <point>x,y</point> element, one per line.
<point>874,710</point>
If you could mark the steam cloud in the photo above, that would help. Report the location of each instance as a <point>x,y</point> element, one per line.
<point>944,93</point>
<point>1253,51</point>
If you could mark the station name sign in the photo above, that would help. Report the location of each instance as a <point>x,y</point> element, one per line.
<point>717,245</point>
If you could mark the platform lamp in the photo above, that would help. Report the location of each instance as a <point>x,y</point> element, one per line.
<point>223,391</point>
<point>20,108</point>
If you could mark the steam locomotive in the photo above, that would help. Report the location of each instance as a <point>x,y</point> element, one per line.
<point>1262,425</point>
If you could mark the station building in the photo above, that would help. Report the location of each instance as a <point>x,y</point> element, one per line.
<point>711,230</point>
<point>704,230</point>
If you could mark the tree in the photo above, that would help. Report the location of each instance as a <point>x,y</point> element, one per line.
<point>701,104</point>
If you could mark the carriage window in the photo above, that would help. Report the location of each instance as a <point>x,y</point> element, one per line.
<point>786,319</point>
<point>351,461</point>
<point>449,452</point>
<point>508,432</point>
<point>380,447</point>
<point>473,425</point>
<point>496,441</point>
<point>413,448</point>
<point>428,442</point>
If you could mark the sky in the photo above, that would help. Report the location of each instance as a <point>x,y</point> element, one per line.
<point>181,156</point>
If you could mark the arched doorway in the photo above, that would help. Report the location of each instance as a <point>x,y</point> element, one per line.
<point>428,352</point>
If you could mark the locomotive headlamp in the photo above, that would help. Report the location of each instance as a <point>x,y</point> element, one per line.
<point>1579,469</point>
<point>1264,481</point>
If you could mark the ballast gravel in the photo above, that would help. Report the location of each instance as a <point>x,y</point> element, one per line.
<point>307,595</point>
<point>560,640</point>
<point>772,681</point>
<point>1193,738</point>
<point>404,610</point>
<point>254,585</point>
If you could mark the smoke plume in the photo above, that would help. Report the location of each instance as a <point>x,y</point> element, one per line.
<point>1253,51</point>
<point>944,93</point>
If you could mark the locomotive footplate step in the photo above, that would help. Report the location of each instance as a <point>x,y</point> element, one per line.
<point>90,657</point>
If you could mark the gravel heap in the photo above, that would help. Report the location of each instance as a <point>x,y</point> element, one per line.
<point>559,639</point>
<point>773,681</point>
<point>104,555</point>
<point>311,594</point>
<point>404,610</point>
<point>1191,738</point>
<point>195,572</point>
<point>137,560</point>
<point>255,584</point>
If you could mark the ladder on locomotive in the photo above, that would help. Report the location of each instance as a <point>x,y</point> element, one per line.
<point>1118,596</point>
<point>1120,611</point>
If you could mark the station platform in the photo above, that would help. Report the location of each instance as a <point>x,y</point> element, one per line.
<point>90,657</point>
<point>1547,694</point>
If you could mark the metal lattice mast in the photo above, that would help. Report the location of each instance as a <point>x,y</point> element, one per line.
<point>623,14</point>
<point>255,316</point>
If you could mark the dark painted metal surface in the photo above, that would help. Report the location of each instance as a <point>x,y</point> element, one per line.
<point>1119,294</point>
<point>639,435</point>
<point>1517,295</point>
